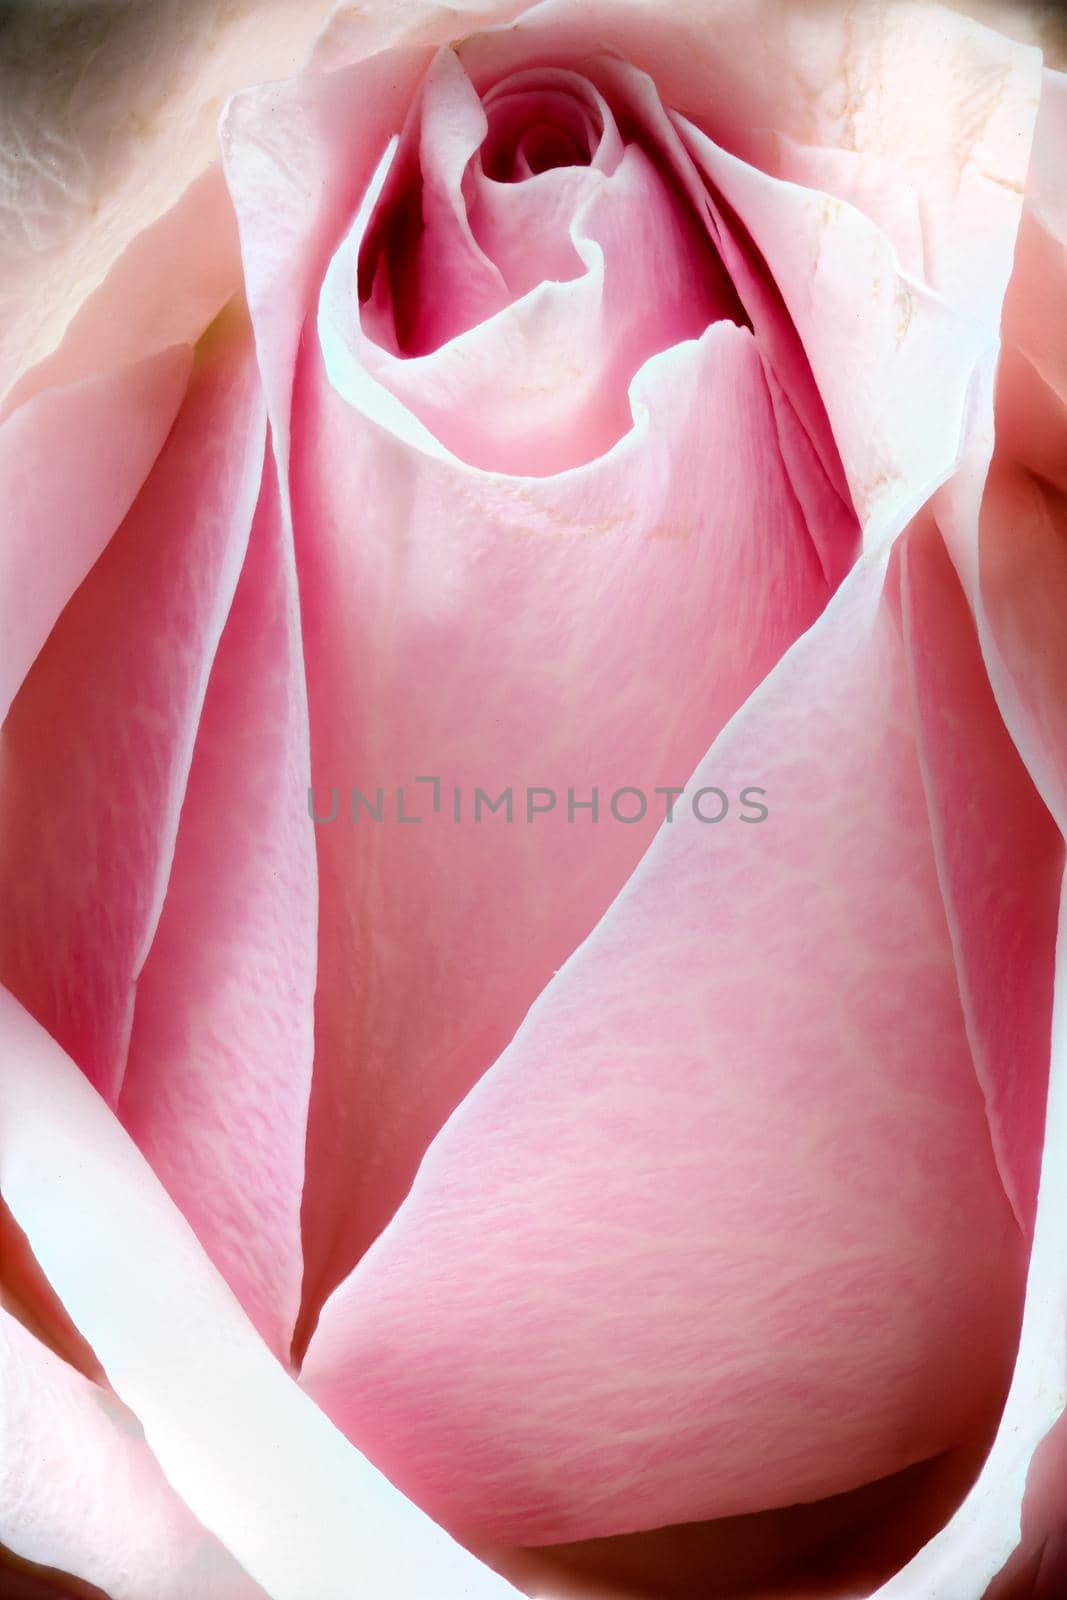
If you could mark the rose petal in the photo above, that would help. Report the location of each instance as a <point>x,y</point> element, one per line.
<point>1011,559</point>
<point>274,137</point>
<point>538,384</point>
<point>144,630</point>
<point>26,1294</point>
<point>543,119</point>
<point>684,1214</point>
<point>109,114</point>
<point>165,289</point>
<point>460,284</point>
<point>948,102</point>
<point>1000,863</point>
<point>504,550</point>
<point>841,1546</point>
<point>436,940</point>
<point>896,382</point>
<point>80,1489</point>
<point>877,187</point>
<point>1015,554</point>
<point>98,742</point>
<point>252,1458</point>
<point>69,500</point>
<point>525,227</point>
<point>960,1562</point>
<point>219,1066</point>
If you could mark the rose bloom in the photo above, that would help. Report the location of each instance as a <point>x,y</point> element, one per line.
<point>532,796</point>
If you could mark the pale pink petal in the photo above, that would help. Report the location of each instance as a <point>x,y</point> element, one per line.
<point>1041,25</point>
<point>810,450</point>
<point>872,184</point>
<point>1009,546</point>
<point>219,1066</point>
<point>356,33</point>
<point>96,747</point>
<point>973,1547</point>
<point>254,1460</point>
<point>1000,862</point>
<point>26,1294</point>
<point>81,1491</point>
<point>72,462</point>
<point>695,1208</point>
<point>1015,552</point>
<point>1014,560</point>
<point>1010,556</point>
<point>107,116</point>
<point>165,289</point>
<point>1040,1561</point>
<point>896,380</point>
<point>1046,197</point>
<point>506,217</point>
<point>301,140</point>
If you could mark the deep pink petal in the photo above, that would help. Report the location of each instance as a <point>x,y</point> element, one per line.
<point>219,1066</point>
<point>97,745</point>
<point>459,283</point>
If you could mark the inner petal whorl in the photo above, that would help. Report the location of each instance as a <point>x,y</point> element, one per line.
<point>558,113</point>
<point>522,262</point>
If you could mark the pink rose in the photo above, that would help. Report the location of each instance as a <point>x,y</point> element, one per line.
<point>532,802</point>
